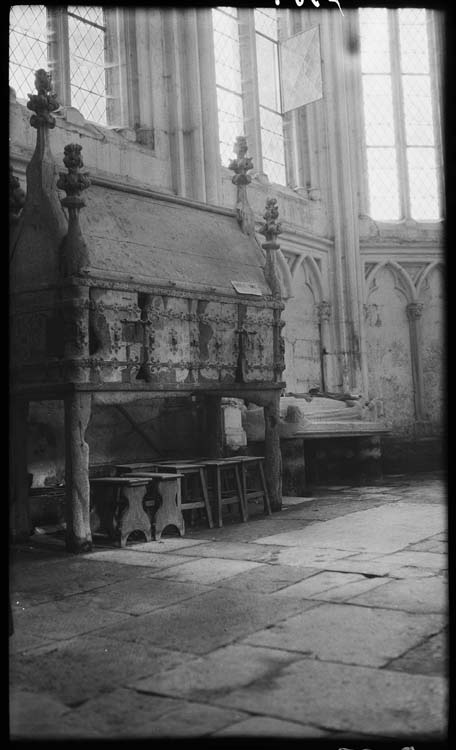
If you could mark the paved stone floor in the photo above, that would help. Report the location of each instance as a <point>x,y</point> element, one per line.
<point>326,620</point>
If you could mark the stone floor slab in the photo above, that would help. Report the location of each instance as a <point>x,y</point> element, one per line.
<point>233,551</point>
<point>81,668</point>
<point>350,699</point>
<point>349,634</point>
<point>206,570</point>
<point>125,556</point>
<point>318,583</point>
<point>206,622</point>
<point>167,544</point>
<point>268,578</point>
<point>33,715</point>
<point>386,528</point>
<point>417,595</point>
<point>349,590</point>
<point>217,673</point>
<point>266,726</point>
<point>418,560</point>
<point>147,594</point>
<point>193,720</point>
<point>310,557</point>
<point>430,657</point>
<point>62,620</point>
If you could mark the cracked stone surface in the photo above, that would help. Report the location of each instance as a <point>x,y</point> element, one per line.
<point>327,619</point>
<point>348,634</point>
<point>347,698</point>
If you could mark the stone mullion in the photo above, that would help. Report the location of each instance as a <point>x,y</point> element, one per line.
<point>59,53</point>
<point>398,115</point>
<point>208,92</point>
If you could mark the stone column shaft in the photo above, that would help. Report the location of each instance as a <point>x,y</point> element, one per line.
<point>272,453</point>
<point>77,416</point>
<point>414,312</point>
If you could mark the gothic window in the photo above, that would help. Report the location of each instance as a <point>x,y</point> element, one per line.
<point>249,71</point>
<point>68,41</point>
<point>400,114</point>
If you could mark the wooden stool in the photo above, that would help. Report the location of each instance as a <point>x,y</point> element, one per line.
<point>219,465</point>
<point>107,512</point>
<point>252,493</point>
<point>163,497</point>
<point>189,469</point>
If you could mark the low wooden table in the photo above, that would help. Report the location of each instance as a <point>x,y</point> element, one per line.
<point>107,513</point>
<point>165,501</point>
<point>254,494</point>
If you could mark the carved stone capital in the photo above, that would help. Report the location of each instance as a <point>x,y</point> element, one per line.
<point>414,310</point>
<point>271,228</point>
<point>75,181</point>
<point>242,164</point>
<point>324,310</point>
<point>44,102</point>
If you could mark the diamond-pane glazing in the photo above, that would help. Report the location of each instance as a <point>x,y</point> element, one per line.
<point>419,127</point>
<point>422,170</point>
<point>231,122</point>
<point>383,184</point>
<point>268,73</point>
<point>28,46</point>
<point>272,145</point>
<point>378,110</point>
<point>88,82</point>
<point>93,14</point>
<point>228,79</point>
<point>266,22</point>
<point>414,48</point>
<point>374,40</point>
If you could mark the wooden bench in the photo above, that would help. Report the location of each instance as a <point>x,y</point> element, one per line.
<point>163,500</point>
<point>117,507</point>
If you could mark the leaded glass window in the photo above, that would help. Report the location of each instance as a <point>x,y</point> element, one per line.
<point>398,114</point>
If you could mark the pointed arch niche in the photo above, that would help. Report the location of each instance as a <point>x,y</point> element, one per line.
<point>431,295</point>
<point>304,358</point>
<point>388,344</point>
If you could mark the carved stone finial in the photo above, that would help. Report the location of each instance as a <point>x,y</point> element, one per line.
<point>75,181</point>
<point>16,197</point>
<point>271,228</point>
<point>75,251</point>
<point>44,102</point>
<point>242,164</point>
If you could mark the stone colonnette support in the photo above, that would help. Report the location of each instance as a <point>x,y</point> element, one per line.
<point>272,454</point>
<point>20,524</point>
<point>77,416</point>
<point>414,313</point>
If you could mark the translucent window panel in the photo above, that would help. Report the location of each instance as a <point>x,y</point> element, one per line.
<point>424,196</point>
<point>88,81</point>
<point>266,22</point>
<point>414,53</point>
<point>419,129</point>
<point>28,47</point>
<point>231,122</point>
<point>272,146</point>
<point>374,40</point>
<point>226,51</point>
<point>378,110</point>
<point>92,14</point>
<point>268,73</point>
<point>383,184</point>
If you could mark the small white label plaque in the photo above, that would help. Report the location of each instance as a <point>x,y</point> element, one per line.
<point>245,287</point>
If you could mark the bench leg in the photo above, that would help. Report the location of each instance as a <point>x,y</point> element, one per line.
<point>206,498</point>
<point>169,513</point>
<point>134,517</point>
